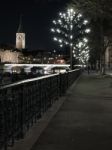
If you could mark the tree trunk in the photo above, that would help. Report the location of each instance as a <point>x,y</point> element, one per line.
<point>102,56</point>
<point>103,65</point>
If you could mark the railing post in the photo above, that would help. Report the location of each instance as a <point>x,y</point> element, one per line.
<point>21,112</point>
<point>60,84</point>
<point>5,121</point>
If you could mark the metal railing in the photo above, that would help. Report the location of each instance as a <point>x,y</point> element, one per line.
<point>23,103</point>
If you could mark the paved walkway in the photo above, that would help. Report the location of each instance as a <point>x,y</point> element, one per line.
<point>84,121</point>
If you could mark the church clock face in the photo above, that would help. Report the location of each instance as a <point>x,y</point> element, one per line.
<point>19,37</point>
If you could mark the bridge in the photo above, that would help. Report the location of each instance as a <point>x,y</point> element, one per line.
<point>27,67</point>
<point>65,111</point>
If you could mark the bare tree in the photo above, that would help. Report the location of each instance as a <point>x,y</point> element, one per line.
<point>99,11</point>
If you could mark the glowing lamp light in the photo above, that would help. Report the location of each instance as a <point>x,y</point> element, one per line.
<point>71,36</point>
<point>87,30</point>
<point>54,21</point>
<point>66,35</point>
<point>80,44</point>
<point>74,55</point>
<point>55,39</point>
<point>73,51</point>
<point>61,45</point>
<point>64,15</point>
<point>65,27</point>
<point>66,43</point>
<point>71,10</point>
<point>85,22</point>
<point>58,31</point>
<point>59,21</point>
<point>52,30</point>
<point>60,40</point>
<point>60,14</point>
<point>85,40</point>
<point>71,27</point>
<point>71,44</point>
<point>79,15</point>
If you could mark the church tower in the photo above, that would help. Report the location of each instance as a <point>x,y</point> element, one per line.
<point>20,37</point>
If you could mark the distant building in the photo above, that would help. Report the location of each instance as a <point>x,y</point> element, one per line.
<point>13,54</point>
<point>18,54</point>
<point>10,56</point>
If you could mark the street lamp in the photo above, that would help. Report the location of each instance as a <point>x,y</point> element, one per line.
<point>71,14</point>
<point>69,29</point>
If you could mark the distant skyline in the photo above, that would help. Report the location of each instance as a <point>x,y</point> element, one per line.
<point>37,20</point>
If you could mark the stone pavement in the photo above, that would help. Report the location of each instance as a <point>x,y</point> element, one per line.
<point>84,121</point>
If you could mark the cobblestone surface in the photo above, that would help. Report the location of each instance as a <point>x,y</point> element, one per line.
<point>84,121</point>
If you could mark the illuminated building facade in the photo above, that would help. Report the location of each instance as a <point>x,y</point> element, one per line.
<point>9,56</point>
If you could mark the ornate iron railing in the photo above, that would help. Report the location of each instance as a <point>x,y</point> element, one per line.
<point>23,103</point>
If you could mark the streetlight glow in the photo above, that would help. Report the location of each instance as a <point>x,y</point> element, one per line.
<point>85,40</point>
<point>71,36</point>
<point>85,22</point>
<point>58,30</point>
<point>54,21</point>
<point>55,39</point>
<point>71,30</point>
<point>87,30</point>
<point>52,30</point>
<point>60,40</point>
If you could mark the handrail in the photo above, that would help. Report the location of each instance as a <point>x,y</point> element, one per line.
<point>26,81</point>
<point>24,102</point>
<point>31,80</point>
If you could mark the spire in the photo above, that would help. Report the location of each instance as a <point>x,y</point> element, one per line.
<point>20,36</point>
<point>20,28</point>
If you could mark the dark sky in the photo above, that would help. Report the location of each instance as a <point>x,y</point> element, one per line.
<point>37,20</point>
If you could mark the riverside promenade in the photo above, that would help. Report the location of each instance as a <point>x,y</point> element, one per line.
<point>82,119</point>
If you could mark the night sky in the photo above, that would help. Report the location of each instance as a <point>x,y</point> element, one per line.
<point>37,20</point>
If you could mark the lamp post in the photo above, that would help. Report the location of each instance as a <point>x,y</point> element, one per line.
<point>71,15</point>
<point>71,57</point>
<point>69,30</point>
